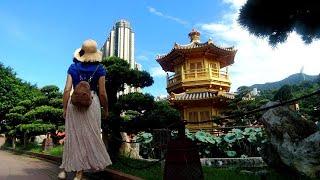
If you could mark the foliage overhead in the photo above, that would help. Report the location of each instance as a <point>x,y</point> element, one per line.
<point>276,19</point>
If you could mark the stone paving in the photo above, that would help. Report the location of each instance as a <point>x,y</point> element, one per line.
<point>17,167</point>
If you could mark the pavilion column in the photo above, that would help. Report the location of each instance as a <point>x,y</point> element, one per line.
<point>227,72</point>
<point>182,73</point>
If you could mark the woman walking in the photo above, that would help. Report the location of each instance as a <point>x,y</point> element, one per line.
<point>84,148</point>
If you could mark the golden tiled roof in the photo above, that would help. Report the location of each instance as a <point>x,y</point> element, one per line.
<point>187,96</point>
<point>195,45</point>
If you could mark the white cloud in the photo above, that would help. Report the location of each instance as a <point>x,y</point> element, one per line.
<point>158,13</point>
<point>157,72</point>
<point>256,61</point>
<point>235,3</point>
<point>142,58</point>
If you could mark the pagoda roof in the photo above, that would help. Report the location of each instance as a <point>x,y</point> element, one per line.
<point>191,96</point>
<point>223,54</point>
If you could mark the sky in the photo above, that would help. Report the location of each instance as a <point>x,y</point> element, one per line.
<point>38,38</point>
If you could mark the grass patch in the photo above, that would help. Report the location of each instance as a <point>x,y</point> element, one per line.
<point>56,151</point>
<point>36,148</point>
<point>252,174</point>
<point>154,172</point>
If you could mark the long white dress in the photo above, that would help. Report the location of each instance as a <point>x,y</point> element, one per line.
<point>84,148</point>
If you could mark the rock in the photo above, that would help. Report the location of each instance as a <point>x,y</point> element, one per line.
<point>262,173</point>
<point>246,172</point>
<point>129,149</point>
<point>39,139</point>
<point>294,142</point>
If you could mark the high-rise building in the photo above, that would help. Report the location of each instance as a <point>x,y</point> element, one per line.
<point>120,43</point>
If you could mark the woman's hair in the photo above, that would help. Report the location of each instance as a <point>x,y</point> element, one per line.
<point>81,52</point>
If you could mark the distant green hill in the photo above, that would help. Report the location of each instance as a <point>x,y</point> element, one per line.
<point>291,80</point>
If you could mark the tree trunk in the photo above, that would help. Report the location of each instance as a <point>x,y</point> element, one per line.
<point>25,140</point>
<point>113,144</point>
<point>13,142</point>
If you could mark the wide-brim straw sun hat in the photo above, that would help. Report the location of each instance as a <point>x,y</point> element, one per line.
<point>88,52</point>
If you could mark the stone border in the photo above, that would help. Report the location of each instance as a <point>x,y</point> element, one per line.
<point>248,162</point>
<point>113,174</point>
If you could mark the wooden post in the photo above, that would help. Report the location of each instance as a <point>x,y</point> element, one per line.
<point>182,159</point>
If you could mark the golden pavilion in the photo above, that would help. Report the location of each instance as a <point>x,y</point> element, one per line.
<point>199,82</point>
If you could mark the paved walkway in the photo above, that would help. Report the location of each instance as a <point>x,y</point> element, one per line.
<point>24,168</point>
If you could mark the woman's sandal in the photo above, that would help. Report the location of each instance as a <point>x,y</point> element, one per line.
<point>79,175</point>
<point>62,175</point>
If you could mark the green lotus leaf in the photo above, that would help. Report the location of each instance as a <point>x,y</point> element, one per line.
<point>238,134</point>
<point>258,129</point>
<point>243,156</point>
<point>252,138</point>
<point>201,136</point>
<point>207,151</point>
<point>230,137</point>
<point>217,139</point>
<point>210,140</point>
<point>189,135</point>
<point>231,153</point>
<point>145,137</point>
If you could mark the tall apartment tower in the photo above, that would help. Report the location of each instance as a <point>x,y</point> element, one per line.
<point>120,43</point>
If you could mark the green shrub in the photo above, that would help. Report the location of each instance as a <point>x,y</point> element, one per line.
<point>40,101</point>
<point>26,103</point>
<point>13,119</point>
<point>34,129</point>
<point>46,113</point>
<point>57,103</point>
<point>18,109</point>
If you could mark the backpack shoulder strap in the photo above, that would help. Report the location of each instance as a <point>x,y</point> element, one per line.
<point>77,67</point>
<point>90,78</point>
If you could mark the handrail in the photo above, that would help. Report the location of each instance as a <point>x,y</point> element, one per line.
<point>197,72</point>
<point>173,76</point>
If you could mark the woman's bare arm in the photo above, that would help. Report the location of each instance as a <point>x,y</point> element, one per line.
<point>66,94</point>
<point>103,95</point>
